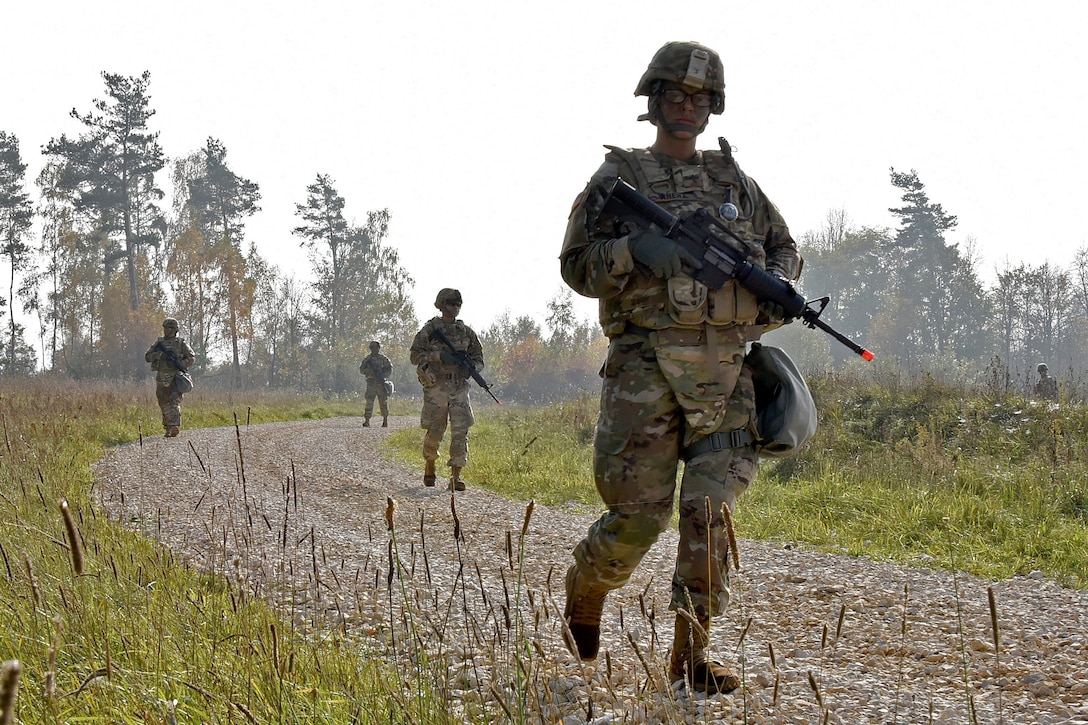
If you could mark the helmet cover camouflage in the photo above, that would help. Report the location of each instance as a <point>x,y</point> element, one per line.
<point>689,64</point>
<point>447,294</point>
<point>170,323</point>
<point>1041,367</point>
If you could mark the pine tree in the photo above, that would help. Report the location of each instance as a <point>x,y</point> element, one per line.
<point>362,290</point>
<point>16,218</point>
<point>222,201</point>
<point>109,173</point>
<point>936,303</point>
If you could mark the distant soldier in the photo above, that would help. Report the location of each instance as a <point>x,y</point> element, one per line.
<point>376,368</point>
<point>1047,387</point>
<point>169,356</point>
<point>445,385</point>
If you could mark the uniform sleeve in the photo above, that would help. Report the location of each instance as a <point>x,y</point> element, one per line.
<point>596,262</point>
<point>475,349</point>
<point>783,259</point>
<point>188,357</point>
<point>387,367</point>
<point>421,347</point>
<point>153,353</point>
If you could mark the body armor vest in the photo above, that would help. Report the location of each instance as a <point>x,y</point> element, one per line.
<point>709,180</point>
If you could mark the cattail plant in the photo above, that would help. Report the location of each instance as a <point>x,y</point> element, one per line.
<point>9,689</point>
<point>902,651</point>
<point>996,632</point>
<point>815,686</point>
<point>731,532</point>
<point>73,538</point>
<point>50,685</point>
<point>35,590</point>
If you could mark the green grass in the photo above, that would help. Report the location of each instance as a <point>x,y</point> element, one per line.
<point>922,475</point>
<point>136,636</point>
<point>925,475</point>
<point>931,475</point>
<point>523,453</point>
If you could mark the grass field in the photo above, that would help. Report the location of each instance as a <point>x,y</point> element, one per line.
<point>921,474</point>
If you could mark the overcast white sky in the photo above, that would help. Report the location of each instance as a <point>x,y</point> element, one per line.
<point>476,123</point>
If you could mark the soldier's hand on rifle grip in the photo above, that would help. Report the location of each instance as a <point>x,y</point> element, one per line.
<point>448,358</point>
<point>771,314</point>
<point>661,255</point>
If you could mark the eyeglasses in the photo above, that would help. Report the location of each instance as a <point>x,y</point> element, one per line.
<point>678,97</point>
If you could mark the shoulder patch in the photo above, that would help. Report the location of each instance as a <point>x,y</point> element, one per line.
<point>577,201</point>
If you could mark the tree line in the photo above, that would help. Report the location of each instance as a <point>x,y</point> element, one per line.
<point>918,300</point>
<point>114,254</point>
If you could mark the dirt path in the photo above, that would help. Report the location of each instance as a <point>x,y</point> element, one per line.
<point>299,517</point>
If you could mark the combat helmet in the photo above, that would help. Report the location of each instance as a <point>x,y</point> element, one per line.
<point>688,63</point>
<point>375,345</point>
<point>170,322</point>
<point>1042,368</point>
<point>446,294</point>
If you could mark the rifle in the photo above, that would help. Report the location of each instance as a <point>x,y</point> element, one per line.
<point>183,381</point>
<point>720,261</point>
<point>368,363</point>
<point>464,362</point>
<point>170,356</point>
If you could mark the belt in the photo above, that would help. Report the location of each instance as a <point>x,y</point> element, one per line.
<point>738,438</point>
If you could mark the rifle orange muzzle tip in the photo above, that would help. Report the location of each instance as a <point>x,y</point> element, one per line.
<point>866,355</point>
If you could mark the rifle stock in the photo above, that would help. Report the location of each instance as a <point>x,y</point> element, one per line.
<point>719,260</point>
<point>464,361</point>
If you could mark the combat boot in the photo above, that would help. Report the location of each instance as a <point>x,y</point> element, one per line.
<point>428,473</point>
<point>689,659</point>
<point>366,422</point>
<point>585,603</point>
<point>385,422</point>
<point>173,432</point>
<point>456,484</point>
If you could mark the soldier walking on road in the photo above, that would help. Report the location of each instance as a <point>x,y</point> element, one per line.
<point>445,385</point>
<point>168,356</point>
<point>675,387</point>
<point>376,368</point>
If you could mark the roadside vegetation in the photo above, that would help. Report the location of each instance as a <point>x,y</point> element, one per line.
<point>110,627</point>
<point>918,472</point>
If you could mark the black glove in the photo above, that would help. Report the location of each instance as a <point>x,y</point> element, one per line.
<point>663,256</point>
<point>771,313</point>
<point>448,358</point>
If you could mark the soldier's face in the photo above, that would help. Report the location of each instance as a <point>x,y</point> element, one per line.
<point>451,309</point>
<point>685,118</point>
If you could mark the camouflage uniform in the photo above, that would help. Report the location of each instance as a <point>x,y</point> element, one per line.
<point>674,373</point>
<point>166,393</point>
<point>445,388</point>
<point>376,368</point>
<point>1047,387</point>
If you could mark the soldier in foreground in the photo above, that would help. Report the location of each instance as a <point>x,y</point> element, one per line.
<point>675,387</point>
<point>445,385</point>
<point>376,368</point>
<point>169,356</point>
